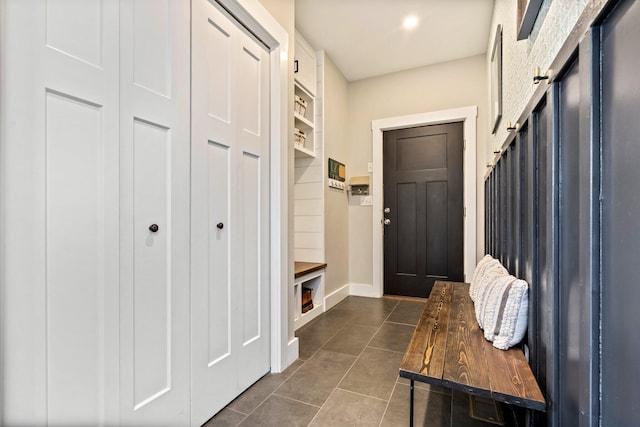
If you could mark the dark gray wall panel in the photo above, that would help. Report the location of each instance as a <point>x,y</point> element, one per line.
<point>621,217</point>
<point>508,223</point>
<point>570,285</point>
<point>502,203</point>
<point>487,215</point>
<point>494,214</point>
<point>515,209</point>
<point>546,306</point>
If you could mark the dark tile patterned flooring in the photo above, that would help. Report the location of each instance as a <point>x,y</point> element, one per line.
<point>347,375</point>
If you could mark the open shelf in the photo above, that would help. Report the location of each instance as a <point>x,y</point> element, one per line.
<point>315,282</point>
<point>305,122</point>
<point>304,152</point>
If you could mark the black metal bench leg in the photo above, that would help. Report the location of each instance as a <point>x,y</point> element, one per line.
<point>411,404</point>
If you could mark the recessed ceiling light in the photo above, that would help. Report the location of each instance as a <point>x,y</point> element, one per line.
<point>410,22</point>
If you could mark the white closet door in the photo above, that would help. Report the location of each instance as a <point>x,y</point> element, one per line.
<point>59,166</point>
<point>229,217</point>
<point>154,145</point>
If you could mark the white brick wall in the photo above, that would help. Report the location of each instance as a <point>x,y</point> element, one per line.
<point>519,58</point>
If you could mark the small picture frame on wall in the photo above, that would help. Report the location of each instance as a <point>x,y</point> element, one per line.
<point>528,11</point>
<point>496,80</point>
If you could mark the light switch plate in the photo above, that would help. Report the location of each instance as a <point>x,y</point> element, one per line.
<point>370,167</point>
<point>366,201</point>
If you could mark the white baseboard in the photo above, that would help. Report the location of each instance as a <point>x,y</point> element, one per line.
<point>364,290</point>
<point>335,297</point>
<point>293,351</point>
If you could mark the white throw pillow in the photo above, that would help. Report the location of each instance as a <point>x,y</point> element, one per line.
<point>491,266</point>
<point>494,271</point>
<point>505,309</point>
<point>478,273</point>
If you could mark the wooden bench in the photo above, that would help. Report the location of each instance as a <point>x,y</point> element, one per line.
<point>448,349</point>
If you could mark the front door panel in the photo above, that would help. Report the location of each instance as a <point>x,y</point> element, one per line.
<point>423,192</point>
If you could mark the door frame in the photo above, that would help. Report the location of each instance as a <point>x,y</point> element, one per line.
<point>253,16</point>
<point>468,116</point>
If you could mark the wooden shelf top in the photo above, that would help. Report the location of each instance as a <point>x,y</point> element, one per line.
<point>302,268</point>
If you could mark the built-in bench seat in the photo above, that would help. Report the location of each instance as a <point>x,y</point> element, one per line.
<point>448,349</point>
<point>302,268</point>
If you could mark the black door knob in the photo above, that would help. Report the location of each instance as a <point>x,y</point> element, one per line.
<point>220,226</point>
<point>153,228</point>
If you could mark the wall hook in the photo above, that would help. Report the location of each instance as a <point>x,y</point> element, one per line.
<point>538,77</point>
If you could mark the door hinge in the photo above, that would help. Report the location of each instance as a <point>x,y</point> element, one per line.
<point>464,144</point>
<point>465,211</point>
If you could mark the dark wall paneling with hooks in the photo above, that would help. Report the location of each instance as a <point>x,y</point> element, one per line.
<point>563,213</point>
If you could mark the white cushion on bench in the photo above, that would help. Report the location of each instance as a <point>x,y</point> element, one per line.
<point>478,273</point>
<point>501,303</point>
<point>505,308</point>
<point>486,266</point>
<point>493,272</point>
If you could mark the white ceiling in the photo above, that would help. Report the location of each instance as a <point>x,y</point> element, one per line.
<point>365,38</point>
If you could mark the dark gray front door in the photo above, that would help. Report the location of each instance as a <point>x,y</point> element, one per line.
<point>423,240</point>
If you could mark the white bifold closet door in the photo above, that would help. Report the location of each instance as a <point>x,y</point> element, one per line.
<point>134,226</point>
<point>95,149</point>
<point>230,211</point>
<point>60,212</point>
<point>154,195</point>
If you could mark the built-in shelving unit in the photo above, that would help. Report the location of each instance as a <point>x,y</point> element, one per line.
<point>305,122</point>
<point>309,276</point>
<point>308,182</point>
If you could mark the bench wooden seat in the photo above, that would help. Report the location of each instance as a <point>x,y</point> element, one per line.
<point>448,349</point>
<point>302,268</point>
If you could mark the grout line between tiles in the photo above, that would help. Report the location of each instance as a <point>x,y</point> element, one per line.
<point>295,400</point>
<point>234,410</point>
<point>386,349</point>
<point>360,394</point>
<point>386,408</point>
<point>400,323</point>
<point>265,399</point>
<point>323,403</point>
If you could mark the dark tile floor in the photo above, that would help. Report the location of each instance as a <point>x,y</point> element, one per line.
<point>347,375</point>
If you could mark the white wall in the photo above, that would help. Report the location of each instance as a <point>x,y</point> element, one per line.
<point>554,23</point>
<point>437,87</point>
<point>336,124</point>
